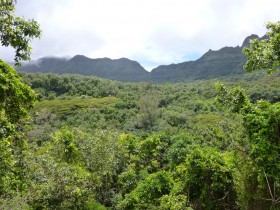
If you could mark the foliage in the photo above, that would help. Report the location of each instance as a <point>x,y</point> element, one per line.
<point>173,202</point>
<point>264,54</point>
<point>119,154</point>
<point>16,100</point>
<point>261,122</point>
<point>54,183</point>
<point>148,192</point>
<point>116,154</point>
<point>100,144</point>
<point>263,128</point>
<point>17,32</point>
<point>207,180</point>
<point>149,112</point>
<point>16,97</point>
<point>65,145</point>
<point>235,98</point>
<point>15,103</point>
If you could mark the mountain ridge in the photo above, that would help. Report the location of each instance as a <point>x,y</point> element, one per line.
<point>226,61</point>
<point>121,69</point>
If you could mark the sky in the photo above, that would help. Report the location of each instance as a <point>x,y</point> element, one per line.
<point>152,32</point>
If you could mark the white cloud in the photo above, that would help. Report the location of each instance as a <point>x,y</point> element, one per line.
<point>152,32</point>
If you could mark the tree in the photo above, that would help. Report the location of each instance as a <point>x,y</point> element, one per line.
<point>17,32</point>
<point>264,54</point>
<point>207,180</point>
<point>262,127</point>
<point>16,98</point>
<point>149,112</point>
<point>261,121</point>
<point>66,146</point>
<point>148,192</point>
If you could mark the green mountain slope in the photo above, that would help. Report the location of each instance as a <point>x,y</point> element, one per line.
<point>121,69</point>
<point>227,61</point>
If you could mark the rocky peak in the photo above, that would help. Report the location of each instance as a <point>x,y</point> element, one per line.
<point>246,42</point>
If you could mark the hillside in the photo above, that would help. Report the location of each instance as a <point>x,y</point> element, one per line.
<point>121,69</point>
<point>224,62</point>
<point>228,61</point>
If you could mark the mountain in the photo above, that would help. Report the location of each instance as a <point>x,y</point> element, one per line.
<point>213,64</point>
<point>228,61</point>
<point>121,69</point>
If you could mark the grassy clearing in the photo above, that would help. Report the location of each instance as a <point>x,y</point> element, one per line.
<point>65,107</point>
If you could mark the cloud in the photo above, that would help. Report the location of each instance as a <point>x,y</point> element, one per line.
<point>153,32</point>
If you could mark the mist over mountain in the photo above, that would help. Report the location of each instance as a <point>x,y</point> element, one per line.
<point>121,69</point>
<point>227,61</point>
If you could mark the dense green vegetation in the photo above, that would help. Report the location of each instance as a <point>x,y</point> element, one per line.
<point>264,54</point>
<point>97,144</point>
<point>90,143</point>
<point>16,31</point>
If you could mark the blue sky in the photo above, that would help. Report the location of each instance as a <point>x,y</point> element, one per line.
<point>152,32</point>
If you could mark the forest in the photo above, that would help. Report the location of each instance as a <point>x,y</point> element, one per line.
<point>82,142</point>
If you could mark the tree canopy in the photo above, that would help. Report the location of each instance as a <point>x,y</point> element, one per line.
<point>17,32</point>
<point>16,98</point>
<point>261,121</point>
<point>264,54</point>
